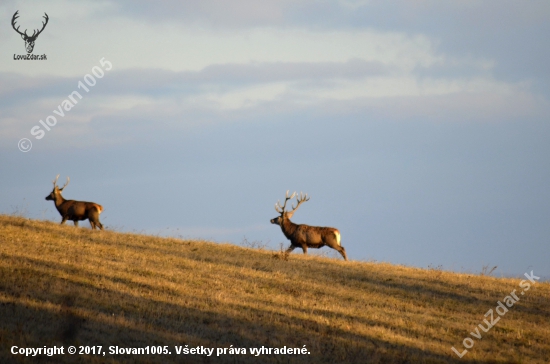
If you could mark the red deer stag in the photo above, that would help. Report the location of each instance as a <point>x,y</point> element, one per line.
<point>305,236</point>
<point>75,210</point>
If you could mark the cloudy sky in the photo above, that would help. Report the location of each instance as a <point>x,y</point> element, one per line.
<point>420,129</point>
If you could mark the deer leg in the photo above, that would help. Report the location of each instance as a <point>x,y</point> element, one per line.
<point>304,248</point>
<point>94,220</point>
<point>343,252</point>
<point>290,249</point>
<point>63,220</point>
<point>96,224</point>
<point>75,223</point>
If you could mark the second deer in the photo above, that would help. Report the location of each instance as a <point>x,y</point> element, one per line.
<point>305,236</point>
<point>75,210</point>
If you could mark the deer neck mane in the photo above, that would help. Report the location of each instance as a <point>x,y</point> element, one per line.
<point>58,200</point>
<point>288,227</point>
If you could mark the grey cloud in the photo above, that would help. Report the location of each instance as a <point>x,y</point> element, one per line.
<point>460,17</point>
<point>14,86</point>
<point>512,33</point>
<point>289,71</point>
<point>246,74</point>
<point>215,13</point>
<point>453,107</point>
<point>154,82</point>
<point>163,119</point>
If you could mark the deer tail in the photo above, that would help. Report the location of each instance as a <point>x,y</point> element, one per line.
<point>337,236</point>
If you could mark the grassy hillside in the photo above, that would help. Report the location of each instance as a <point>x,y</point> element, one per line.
<point>61,285</point>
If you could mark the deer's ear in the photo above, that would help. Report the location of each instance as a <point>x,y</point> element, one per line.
<point>23,36</point>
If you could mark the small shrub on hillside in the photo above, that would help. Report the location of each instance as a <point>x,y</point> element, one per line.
<point>254,244</point>
<point>435,272</point>
<point>485,271</point>
<point>281,254</point>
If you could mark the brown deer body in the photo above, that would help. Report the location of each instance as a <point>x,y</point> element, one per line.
<point>305,236</point>
<point>75,210</point>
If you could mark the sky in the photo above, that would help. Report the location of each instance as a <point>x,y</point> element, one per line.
<point>419,129</point>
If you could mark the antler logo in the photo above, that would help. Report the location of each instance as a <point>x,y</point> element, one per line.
<point>29,40</point>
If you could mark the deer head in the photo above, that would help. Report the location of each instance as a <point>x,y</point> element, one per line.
<point>56,192</point>
<point>29,40</point>
<point>288,214</point>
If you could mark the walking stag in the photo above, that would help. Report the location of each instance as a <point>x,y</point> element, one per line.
<point>305,236</point>
<point>75,210</point>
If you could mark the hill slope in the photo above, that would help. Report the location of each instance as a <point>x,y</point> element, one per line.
<point>60,285</point>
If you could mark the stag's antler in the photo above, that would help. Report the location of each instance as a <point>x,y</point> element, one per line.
<point>34,34</point>
<point>278,207</point>
<point>300,200</point>
<point>15,16</point>
<point>43,26</point>
<point>65,185</point>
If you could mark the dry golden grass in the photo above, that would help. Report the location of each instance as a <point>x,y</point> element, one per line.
<point>61,285</point>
